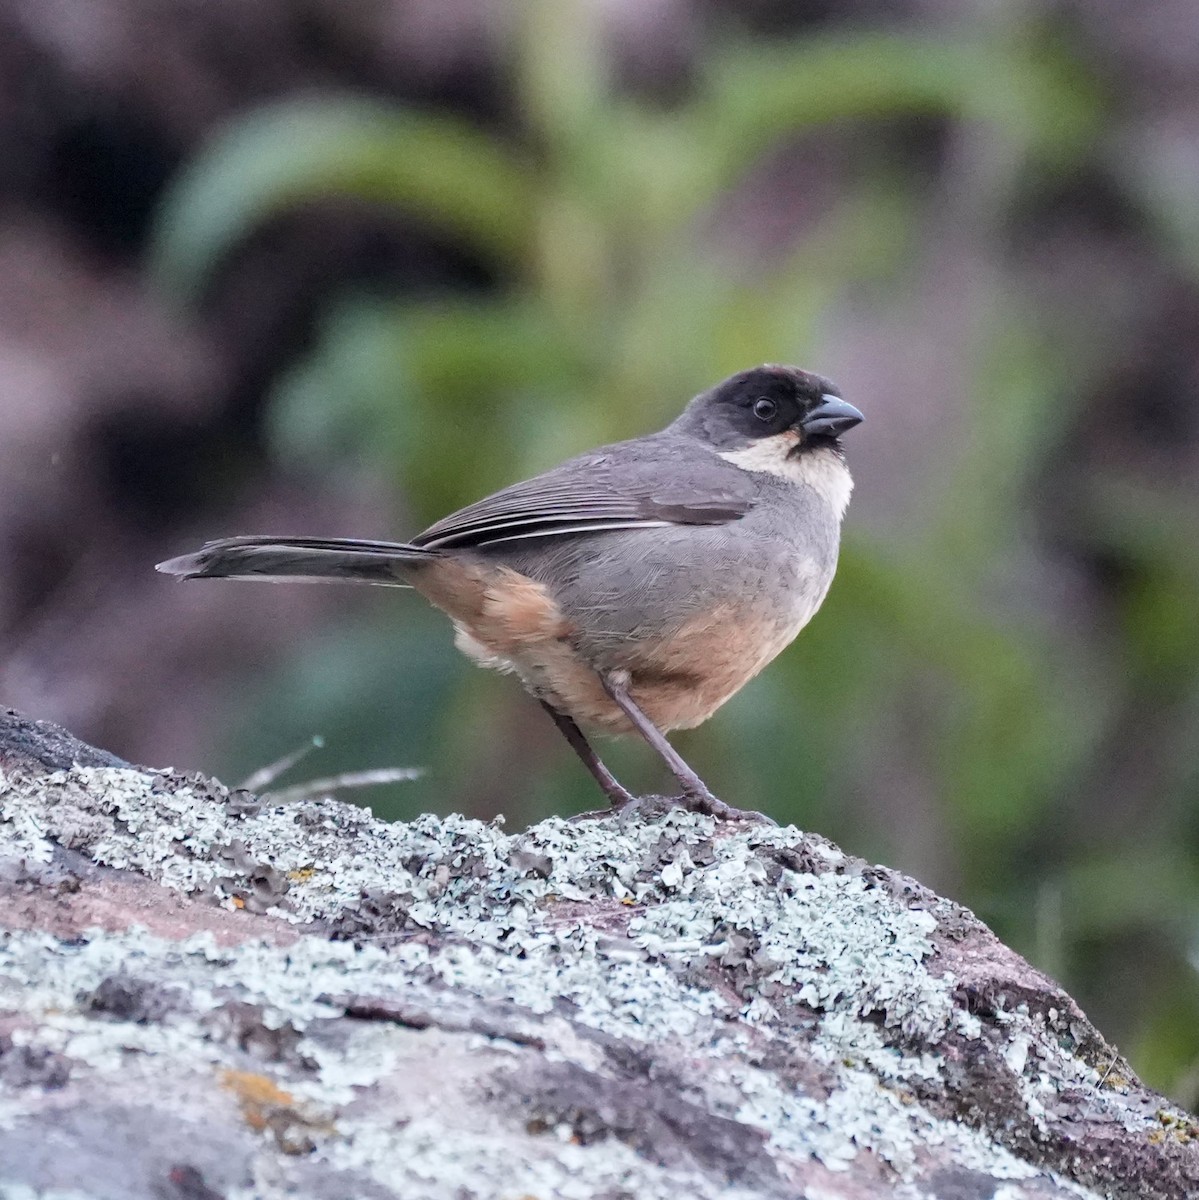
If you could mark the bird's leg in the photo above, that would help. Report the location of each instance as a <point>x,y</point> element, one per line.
<point>692,785</point>
<point>696,795</point>
<point>618,796</point>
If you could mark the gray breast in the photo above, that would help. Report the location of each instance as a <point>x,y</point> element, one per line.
<point>774,563</point>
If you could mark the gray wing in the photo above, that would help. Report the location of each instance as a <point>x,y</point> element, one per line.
<point>636,484</point>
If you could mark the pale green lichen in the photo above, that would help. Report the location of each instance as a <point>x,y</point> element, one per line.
<point>690,897</point>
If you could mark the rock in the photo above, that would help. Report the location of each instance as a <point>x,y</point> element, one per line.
<point>202,996</point>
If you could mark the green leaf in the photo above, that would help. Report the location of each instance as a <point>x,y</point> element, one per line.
<point>460,179</point>
<point>1038,98</point>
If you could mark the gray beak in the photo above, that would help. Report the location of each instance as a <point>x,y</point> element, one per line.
<point>831,417</point>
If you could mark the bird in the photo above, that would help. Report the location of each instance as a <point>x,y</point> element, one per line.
<point>633,588</point>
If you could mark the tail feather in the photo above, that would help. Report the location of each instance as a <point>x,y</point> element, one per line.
<point>300,558</point>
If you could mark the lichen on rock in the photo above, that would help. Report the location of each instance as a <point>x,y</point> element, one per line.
<point>249,997</point>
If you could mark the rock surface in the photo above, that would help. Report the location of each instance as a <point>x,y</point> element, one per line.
<point>205,994</point>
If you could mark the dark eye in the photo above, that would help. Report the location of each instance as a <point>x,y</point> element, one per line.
<point>765,410</point>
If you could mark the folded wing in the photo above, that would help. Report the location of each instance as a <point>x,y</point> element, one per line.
<point>617,488</point>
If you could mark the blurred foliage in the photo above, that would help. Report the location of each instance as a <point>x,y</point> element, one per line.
<point>607,314</point>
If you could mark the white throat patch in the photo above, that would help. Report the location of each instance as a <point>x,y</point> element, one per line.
<point>823,470</point>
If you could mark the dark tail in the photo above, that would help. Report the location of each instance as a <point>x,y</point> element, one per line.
<point>341,559</point>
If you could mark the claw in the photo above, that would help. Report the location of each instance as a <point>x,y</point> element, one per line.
<point>713,806</point>
<point>648,807</point>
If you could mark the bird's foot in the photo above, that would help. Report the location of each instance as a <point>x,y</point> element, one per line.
<point>620,802</point>
<point>651,807</point>
<point>703,801</point>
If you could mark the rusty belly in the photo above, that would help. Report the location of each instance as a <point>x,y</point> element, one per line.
<point>679,672</point>
<point>678,681</point>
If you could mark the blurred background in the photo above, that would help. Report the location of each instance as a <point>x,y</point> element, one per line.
<point>299,266</point>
